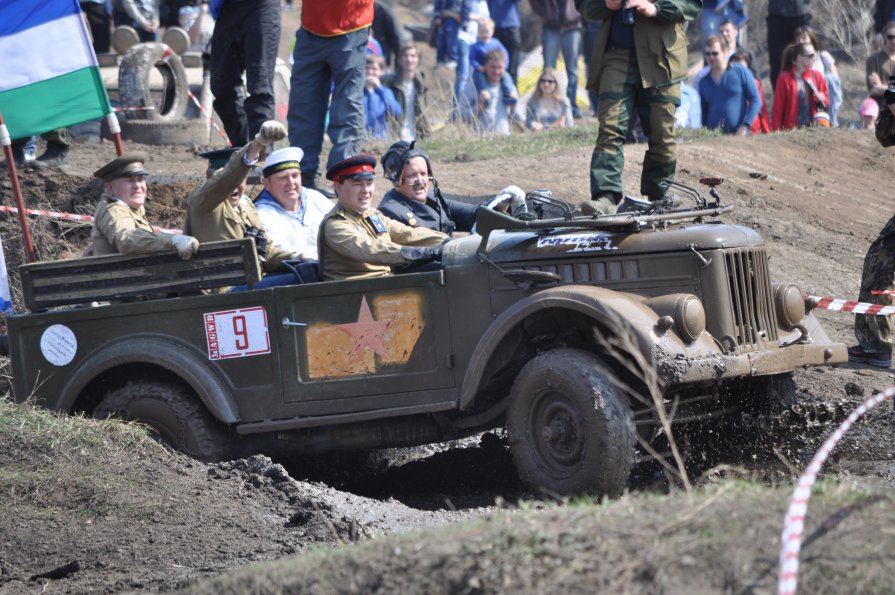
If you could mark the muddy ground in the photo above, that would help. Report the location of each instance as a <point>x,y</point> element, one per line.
<point>818,196</point>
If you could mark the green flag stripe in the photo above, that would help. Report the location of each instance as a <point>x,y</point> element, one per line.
<point>54,103</point>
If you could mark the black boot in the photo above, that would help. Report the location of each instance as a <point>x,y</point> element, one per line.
<point>56,155</point>
<point>18,154</point>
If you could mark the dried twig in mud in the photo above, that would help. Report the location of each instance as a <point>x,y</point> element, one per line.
<point>621,348</point>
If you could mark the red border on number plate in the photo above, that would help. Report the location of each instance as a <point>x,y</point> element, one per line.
<point>237,333</point>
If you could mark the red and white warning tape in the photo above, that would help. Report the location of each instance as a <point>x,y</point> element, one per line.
<point>210,119</point>
<point>794,522</point>
<point>73,217</point>
<point>883,292</point>
<point>850,306</point>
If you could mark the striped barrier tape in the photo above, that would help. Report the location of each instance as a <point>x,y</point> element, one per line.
<point>72,217</point>
<point>882,292</point>
<point>850,306</point>
<point>794,522</point>
<point>210,119</point>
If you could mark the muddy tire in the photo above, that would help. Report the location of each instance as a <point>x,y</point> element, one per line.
<point>170,103</point>
<point>150,132</point>
<point>174,415</point>
<point>570,429</point>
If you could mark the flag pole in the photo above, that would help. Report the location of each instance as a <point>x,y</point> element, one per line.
<point>115,129</point>
<point>6,141</point>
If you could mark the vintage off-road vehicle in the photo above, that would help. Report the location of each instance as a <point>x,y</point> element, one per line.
<point>573,332</point>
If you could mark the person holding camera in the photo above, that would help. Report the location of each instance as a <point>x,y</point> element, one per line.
<point>290,212</point>
<point>639,60</point>
<point>874,333</point>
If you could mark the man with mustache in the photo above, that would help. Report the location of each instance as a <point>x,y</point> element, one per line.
<point>416,199</point>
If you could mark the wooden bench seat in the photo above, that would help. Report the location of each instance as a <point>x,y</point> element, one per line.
<point>151,275</point>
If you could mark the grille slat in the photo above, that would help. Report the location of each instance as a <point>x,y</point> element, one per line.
<point>751,301</point>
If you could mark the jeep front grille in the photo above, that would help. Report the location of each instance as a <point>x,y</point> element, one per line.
<point>749,283</point>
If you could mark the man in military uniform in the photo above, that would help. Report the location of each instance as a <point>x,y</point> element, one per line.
<point>874,333</point>
<point>220,210</point>
<point>638,61</point>
<point>119,224</point>
<point>417,201</point>
<point>356,240</point>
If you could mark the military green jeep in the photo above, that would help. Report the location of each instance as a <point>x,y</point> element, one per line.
<point>577,334</point>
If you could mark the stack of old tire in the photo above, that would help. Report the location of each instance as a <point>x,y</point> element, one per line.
<point>157,115</point>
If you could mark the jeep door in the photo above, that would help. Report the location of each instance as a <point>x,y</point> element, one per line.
<point>366,344</point>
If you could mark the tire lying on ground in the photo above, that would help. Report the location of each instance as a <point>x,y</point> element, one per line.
<point>187,132</point>
<point>169,103</point>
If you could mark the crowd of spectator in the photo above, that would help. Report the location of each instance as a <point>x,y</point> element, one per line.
<point>383,94</point>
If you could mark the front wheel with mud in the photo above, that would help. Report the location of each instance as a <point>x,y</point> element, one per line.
<point>172,412</point>
<point>570,428</point>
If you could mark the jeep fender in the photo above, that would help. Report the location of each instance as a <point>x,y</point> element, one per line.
<point>623,312</point>
<point>148,349</point>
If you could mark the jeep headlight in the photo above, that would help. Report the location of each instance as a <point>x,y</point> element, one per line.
<point>684,311</point>
<point>789,305</point>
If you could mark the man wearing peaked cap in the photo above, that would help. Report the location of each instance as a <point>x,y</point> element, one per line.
<point>119,223</point>
<point>356,240</point>
<point>290,212</point>
<point>220,210</point>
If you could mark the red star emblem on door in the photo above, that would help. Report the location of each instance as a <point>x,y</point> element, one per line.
<point>366,332</point>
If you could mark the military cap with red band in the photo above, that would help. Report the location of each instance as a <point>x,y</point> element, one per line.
<point>359,167</point>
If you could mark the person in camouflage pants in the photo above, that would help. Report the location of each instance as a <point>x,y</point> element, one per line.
<point>636,66</point>
<point>874,333</point>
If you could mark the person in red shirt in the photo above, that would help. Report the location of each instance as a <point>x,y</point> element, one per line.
<point>801,91</point>
<point>330,49</point>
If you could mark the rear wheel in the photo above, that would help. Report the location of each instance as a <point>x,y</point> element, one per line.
<point>172,412</point>
<point>570,428</point>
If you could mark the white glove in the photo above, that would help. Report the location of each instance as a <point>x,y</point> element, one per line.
<point>271,131</point>
<point>508,199</point>
<point>185,245</point>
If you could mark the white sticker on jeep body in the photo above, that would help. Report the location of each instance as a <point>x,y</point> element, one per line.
<point>58,344</point>
<point>237,333</point>
<point>579,242</point>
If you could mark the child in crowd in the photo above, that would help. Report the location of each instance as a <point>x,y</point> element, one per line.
<point>381,109</point>
<point>478,54</point>
<point>869,111</point>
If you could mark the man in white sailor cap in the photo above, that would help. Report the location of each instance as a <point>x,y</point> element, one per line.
<point>291,214</point>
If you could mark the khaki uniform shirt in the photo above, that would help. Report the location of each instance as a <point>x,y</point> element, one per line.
<point>210,217</point>
<point>660,44</point>
<point>117,228</point>
<point>350,248</point>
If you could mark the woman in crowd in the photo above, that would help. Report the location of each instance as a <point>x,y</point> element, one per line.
<point>548,107</point>
<point>801,91</point>
<point>826,65</point>
<point>408,84</point>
